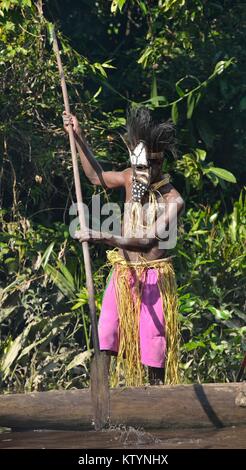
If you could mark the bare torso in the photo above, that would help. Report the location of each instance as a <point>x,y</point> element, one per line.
<point>155,252</point>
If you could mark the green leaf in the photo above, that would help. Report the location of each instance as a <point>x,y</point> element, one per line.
<point>97,93</point>
<point>175,113</point>
<point>9,26</point>
<point>121,3</point>
<point>11,355</point>
<point>220,314</point>
<point>221,173</point>
<point>27,3</point>
<point>144,57</point>
<point>49,331</point>
<point>197,98</point>
<point>117,4</point>
<point>190,105</point>
<point>198,232</point>
<point>220,67</point>
<point>100,68</point>
<point>201,154</point>
<point>179,90</point>
<point>79,304</point>
<point>160,98</point>
<point>192,345</point>
<point>60,281</point>
<point>79,360</point>
<point>50,29</point>
<point>143,7</point>
<point>5,4</point>
<point>47,254</point>
<point>213,217</point>
<point>13,350</point>
<point>107,65</point>
<point>154,94</point>
<point>6,312</point>
<point>187,364</point>
<point>66,273</point>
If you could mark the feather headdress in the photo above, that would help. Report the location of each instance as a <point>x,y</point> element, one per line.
<point>158,137</point>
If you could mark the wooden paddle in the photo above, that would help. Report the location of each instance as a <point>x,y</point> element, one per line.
<point>99,369</point>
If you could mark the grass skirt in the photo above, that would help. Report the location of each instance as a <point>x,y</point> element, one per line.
<point>128,361</point>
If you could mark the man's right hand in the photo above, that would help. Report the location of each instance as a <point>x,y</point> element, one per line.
<point>71,119</point>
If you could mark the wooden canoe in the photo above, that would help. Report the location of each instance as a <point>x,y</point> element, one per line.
<point>177,406</point>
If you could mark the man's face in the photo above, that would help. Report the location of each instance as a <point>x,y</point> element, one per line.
<point>138,156</point>
<point>140,164</point>
<point>141,171</point>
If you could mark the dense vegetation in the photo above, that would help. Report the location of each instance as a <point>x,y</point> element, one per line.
<point>184,59</point>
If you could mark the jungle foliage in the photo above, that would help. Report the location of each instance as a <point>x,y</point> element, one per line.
<point>185,60</point>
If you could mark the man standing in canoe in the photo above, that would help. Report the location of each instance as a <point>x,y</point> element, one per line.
<point>139,318</point>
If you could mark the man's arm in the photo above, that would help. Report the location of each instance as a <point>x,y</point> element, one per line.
<point>174,207</point>
<point>161,229</point>
<point>92,168</point>
<point>126,243</point>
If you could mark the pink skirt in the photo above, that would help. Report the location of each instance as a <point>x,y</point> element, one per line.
<point>152,323</point>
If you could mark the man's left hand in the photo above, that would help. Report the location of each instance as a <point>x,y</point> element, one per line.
<point>87,235</point>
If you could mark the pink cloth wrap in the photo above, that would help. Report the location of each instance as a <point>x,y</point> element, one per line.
<point>152,323</point>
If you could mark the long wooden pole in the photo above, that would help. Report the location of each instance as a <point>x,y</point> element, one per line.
<point>99,379</point>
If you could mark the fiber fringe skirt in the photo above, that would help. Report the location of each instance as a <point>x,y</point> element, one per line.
<point>139,319</point>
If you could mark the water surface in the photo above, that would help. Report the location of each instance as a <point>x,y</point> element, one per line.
<point>126,438</point>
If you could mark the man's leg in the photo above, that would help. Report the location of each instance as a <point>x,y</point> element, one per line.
<point>156,375</point>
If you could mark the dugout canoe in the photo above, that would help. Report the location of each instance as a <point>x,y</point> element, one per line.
<point>177,406</point>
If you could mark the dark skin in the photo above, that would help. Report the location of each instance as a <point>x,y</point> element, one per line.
<point>131,247</point>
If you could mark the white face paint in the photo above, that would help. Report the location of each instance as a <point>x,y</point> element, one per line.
<point>139,155</point>
<point>141,171</point>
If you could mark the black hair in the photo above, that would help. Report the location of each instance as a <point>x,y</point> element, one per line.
<point>158,137</point>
